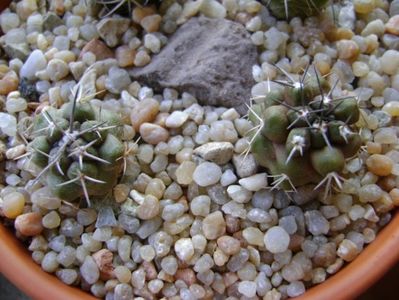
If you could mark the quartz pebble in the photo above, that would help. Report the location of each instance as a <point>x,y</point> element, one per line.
<point>276,240</point>
<point>214,225</point>
<point>29,224</point>
<point>207,174</point>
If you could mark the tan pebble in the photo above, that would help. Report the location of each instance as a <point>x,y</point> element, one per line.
<point>394,193</point>
<point>392,108</point>
<point>384,204</point>
<point>103,259</point>
<point>161,119</point>
<point>151,23</point>
<point>98,48</point>
<point>387,183</point>
<point>3,70</point>
<point>371,43</point>
<point>187,275</point>
<point>9,83</point>
<point>364,6</point>
<point>392,26</point>
<point>141,12</point>
<point>373,148</point>
<point>323,67</point>
<point>13,205</point>
<point>153,134</point>
<point>121,191</point>
<point>125,56</point>
<point>29,224</point>
<point>347,49</point>
<point>379,164</point>
<point>149,208</point>
<point>144,111</point>
<point>220,258</point>
<point>214,225</point>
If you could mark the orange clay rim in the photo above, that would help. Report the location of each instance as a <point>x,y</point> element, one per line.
<point>17,265</point>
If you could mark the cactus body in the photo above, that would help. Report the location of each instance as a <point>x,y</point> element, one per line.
<point>287,9</point>
<point>78,147</point>
<point>302,133</point>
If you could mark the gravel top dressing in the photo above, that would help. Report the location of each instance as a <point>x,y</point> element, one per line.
<point>197,149</point>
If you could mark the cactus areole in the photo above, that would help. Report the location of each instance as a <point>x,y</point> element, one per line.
<point>302,134</point>
<point>78,149</point>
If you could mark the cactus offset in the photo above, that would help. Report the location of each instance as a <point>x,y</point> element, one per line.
<point>286,9</point>
<point>303,135</point>
<point>78,148</point>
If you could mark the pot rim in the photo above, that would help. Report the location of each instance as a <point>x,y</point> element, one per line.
<point>375,260</point>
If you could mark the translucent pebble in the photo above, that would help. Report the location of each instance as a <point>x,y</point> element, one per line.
<point>184,248</point>
<point>67,276</point>
<point>49,262</point>
<point>203,264</point>
<point>289,224</point>
<point>8,124</point>
<point>369,193</point>
<point>123,291</point>
<point>253,236</point>
<point>276,240</point>
<point>51,220</point>
<point>207,173</point>
<point>385,136</point>
<point>169,265</point>
<point>122,273</point>
<point>71,228</point>
<point>295,289</point>
<point>247,288</point>
<point>86,216</point>
<point>316,223</point>
<point>67,256</point>
<point>147,253</point>
<point>185,172</point>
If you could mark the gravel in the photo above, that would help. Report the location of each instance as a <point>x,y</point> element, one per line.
<point>193,216</point>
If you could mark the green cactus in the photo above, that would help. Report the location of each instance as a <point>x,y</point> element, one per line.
<point>287,9</point>
<point>123,7</point>
<point>78,148</point>
<point>302,134</point>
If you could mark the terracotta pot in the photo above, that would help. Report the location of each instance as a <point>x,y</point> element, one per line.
<point>17,265</point>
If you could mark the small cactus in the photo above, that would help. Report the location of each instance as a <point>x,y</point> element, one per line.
<point>287,9</point>
<point>78,148</point>
<point>123,7</point>
<point>302,134</point>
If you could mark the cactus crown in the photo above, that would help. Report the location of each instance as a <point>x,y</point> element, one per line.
<point>303,134</point>
<point>286,9</point>
<point>77,148</point>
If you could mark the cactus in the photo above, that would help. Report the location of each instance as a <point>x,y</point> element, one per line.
<point>123,7</point>
<point>303,135</point>
<point>285,9</point>
<point>78,148</point>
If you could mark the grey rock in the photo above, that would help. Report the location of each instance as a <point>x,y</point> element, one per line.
<point>211,59</point>
<point>217,152</point>
<point>316,223</point>
<point>51,21</point>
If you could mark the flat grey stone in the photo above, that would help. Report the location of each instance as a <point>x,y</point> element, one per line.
<point>211,59</point>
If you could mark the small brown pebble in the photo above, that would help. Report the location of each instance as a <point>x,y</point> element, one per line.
<point>373,148</point>
<point>232,224</point>
<point>229,278</point>
<point>295,242</point>
<point>243,18</point>
<point>141,12</point>
<point>125,56</point>
<point>187,275</point>
<point>144,111</point>
<point>9,83</point>
<point>379,164</point>
<point>394,193</point>
<point>103,259</point>
<point>151,23</point>
<point>392,26</point>
<point>387,183</point>
<point>347,49</point>
<point>98,48</point>
<point>29,224</point>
